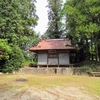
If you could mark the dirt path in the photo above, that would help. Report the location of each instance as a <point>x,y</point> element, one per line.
<point>57,93</point>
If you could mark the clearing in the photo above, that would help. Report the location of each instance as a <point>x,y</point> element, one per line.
<point>49,87</point>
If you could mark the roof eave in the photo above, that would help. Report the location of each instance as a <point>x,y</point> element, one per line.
<point>52,49</point>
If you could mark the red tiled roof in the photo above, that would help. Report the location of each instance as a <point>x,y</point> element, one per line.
<point>50,44</point>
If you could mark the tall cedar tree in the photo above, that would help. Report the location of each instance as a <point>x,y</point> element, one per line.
<point>54,25</point>
<point>16,18</point>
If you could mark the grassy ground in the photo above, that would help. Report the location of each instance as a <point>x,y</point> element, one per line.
<point>90,84</point>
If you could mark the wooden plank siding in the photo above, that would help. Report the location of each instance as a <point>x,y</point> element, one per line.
<point>53,58</point>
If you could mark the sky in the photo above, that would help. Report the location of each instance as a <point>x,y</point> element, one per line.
<point>43,16</point>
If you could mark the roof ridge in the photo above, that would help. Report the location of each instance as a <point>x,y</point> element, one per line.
<point>53,39</point>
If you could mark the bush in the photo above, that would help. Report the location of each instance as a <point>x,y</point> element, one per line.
<point>28,62</point>
<point>15,60</point>
<point>5,51</point>
<point>94,66</point>
<point>82,70</point>
<point>32,65</point>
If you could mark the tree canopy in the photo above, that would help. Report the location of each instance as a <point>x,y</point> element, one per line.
<point>55,28</point>
<point>17,21</point>
<point>83,26</point>
<point>16,18</point>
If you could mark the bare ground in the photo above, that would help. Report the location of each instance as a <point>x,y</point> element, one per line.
<point>57,93</point>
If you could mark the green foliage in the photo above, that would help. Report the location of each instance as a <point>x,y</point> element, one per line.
<point>32,41</point>
<point>30,63</point>
<point>82,70</point>
<point>83,25</point>
<point>5,49</point>
<point>15,60</point>
<point>87,66</point>
<point>55,29</point>
<point>27,62</point>
<point>91,65</point>
<point>17,19</point>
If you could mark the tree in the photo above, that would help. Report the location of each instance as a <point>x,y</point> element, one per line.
<point>17,20</point>
<point>82,24</point>
<point>55,29</point>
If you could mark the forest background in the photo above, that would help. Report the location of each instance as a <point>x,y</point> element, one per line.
<point>78,20</point>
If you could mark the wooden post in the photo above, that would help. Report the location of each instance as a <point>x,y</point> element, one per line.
<point>58,60</point>
<point>47,65</point>
<point>38,66</point>
<point>46,70</point>
<point>58,65</point>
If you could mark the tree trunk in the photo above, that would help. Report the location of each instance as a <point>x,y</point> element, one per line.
<point>97,53</point>
<point>92,48</point>
<point>87,50</point>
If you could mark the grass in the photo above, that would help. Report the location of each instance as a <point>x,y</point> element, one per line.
<point>90,84</point>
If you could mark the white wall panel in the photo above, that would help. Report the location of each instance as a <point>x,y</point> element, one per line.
<point>42,58</point>
<point>53,61</point>
<point>64,58</point>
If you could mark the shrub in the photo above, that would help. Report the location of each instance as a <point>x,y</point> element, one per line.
<point>82,70</point>
<point>5,51</point>
<point>94,66</point>
<point>15,60</point>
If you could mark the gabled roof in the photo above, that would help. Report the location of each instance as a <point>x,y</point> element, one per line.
<point>50,44</point>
